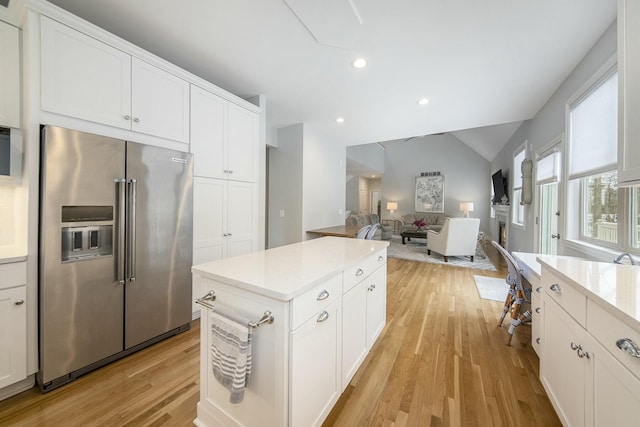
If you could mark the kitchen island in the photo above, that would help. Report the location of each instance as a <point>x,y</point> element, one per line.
<point>590,352</point>
<point>327,301</point>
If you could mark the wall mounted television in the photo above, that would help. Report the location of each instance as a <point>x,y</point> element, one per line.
<point>499,186</point>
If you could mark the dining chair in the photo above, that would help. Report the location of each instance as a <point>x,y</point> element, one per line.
<point>362,233</point>
<point>372,231</point>
<point>518,294</point>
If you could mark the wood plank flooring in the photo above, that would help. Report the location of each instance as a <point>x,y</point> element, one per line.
<point>440,361</point>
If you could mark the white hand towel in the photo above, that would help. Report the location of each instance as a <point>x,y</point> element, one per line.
<point>231,353</point>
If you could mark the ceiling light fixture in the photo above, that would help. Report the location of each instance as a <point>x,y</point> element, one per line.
<point>359,63</point>
<point>422,101</point>
<point>340,120</point>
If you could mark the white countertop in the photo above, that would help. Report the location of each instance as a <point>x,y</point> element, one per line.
<point>288,271</point>
<point>9,254</point>
<point>615,286</point>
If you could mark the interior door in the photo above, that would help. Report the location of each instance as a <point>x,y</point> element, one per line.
<point>548,194</point>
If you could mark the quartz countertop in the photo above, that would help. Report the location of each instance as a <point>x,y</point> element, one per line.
<point>9,254</point>
<point>616,287</point>
<point>287,271</point>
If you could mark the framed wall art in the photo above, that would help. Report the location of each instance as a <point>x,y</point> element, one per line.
<point>430,194</point>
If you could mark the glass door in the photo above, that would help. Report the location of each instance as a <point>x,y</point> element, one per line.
<point>547,188</point>
<point>548,218</point>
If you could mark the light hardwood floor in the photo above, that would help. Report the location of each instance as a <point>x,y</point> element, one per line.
<point>441,360</point>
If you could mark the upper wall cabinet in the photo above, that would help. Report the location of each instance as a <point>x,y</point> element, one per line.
<point>629,94</point>
<point>224,138</point>
<point>9,76</point>
<point>84,78</point>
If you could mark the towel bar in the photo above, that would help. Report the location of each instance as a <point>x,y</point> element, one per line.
<point>267,317</point>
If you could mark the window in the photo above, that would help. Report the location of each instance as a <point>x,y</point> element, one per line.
<point>593,196</point>
<point>517,210</point>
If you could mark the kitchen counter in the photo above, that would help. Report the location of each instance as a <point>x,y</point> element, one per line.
<point>616,287</point>
<point>326,301</point>
<point>286,272</point>
<point>9,254</point>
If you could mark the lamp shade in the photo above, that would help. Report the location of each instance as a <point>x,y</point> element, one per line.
<point>392,206</point>
<point>466,207</point>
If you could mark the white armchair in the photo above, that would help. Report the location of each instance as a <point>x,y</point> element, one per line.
<point>459,236</point>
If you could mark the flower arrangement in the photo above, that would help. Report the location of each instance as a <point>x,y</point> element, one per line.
<point>419,223</point>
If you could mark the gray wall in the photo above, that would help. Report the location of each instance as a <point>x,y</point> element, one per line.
<point>547,124</point>
<point>307,182</point>
<point>466,173</point>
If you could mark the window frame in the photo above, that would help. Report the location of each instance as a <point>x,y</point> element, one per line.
<point>573,224</point>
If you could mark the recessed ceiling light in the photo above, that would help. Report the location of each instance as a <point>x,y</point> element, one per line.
<point>359,63</point>
<point>422,101</point>
<point>340,120</point>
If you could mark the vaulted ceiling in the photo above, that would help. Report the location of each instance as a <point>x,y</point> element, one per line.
<point>479,63</point>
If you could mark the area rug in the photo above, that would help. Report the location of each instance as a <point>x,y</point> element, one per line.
<point>491,288</point>
<point>415,250</point>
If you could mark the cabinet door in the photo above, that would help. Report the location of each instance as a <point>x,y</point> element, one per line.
<point>376,304</point>
<point>629,92</point>
<point>209,215</point>
<point>242,144</point>
<point>159,102</point>
<point>616,392</point>
<point>315,367</point>
<point>242,218</point>
<point>208,116</point>
<point>13,339</point>
<point>354,331</point>
<point>84,78</point>
<point>536,321</point>
<point>9,76</point>
<point>564,374</point>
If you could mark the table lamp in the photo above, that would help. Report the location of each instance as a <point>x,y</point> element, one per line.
<point>466,207</point>
<point>392,207</point>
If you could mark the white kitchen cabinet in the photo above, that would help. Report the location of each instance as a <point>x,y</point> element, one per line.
<point>354,331</point>
<point>376,304</point>
<point>537,318</point>
<point>9,76</point>
<point>224,138</point>
<point>589,311</point>
<point>85,78</point>
<point>299,358</point>
<point>565,375</point>
<point>225,220</point>
<point>315,367</point>
<point>629,92</point>
<point>13,317</point>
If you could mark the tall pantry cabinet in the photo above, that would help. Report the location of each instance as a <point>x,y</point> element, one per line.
<point>224,143</point>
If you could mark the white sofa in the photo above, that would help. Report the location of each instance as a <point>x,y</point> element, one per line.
<point>458,237</point>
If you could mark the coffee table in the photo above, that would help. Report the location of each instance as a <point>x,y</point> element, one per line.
<point>417,234</point>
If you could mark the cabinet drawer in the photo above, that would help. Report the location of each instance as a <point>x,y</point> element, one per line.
<point>309,303</point>
<point>572,301</point>
<point>608,329</point>
<point>355,274</point>
<point>13,274</point>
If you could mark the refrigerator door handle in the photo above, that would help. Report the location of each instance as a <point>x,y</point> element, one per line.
<point>131,237</point>
<point>120,249</point>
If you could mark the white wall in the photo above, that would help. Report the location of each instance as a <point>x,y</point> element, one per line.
<point>466,173</point>
<point>306,180</point>
<point>324,175</point>
<point>547,124</point>
<point>285,188</point>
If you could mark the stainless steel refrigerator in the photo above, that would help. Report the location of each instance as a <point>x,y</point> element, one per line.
<point>115,250</point>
